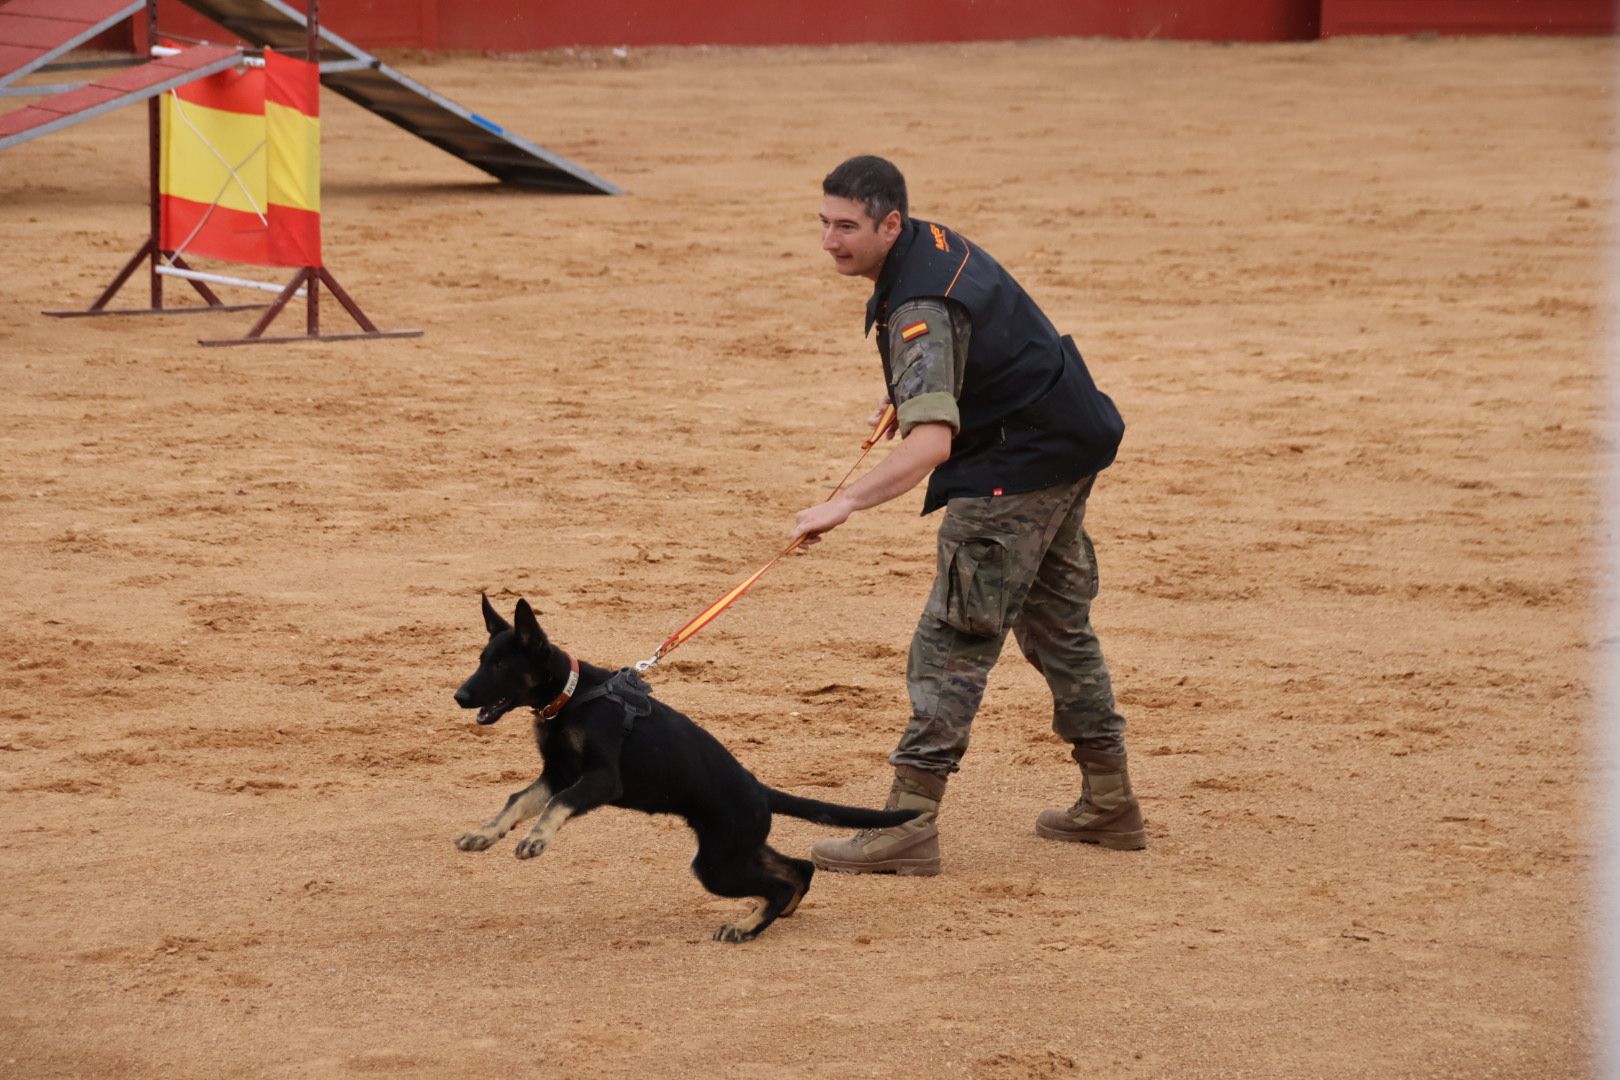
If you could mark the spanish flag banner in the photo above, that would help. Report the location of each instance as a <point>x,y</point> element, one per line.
<point>240,171</point>
<point>292,115</point>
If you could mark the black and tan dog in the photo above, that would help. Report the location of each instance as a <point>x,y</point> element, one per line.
<point>605,741</point>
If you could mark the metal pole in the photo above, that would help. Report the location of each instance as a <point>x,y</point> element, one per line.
<point>183,270</point>
<point>312,312</point>
<point>154,128</point>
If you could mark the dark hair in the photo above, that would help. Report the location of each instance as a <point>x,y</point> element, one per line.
<point>871,181</point>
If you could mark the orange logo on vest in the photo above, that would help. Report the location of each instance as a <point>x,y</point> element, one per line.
<point>939,237</point>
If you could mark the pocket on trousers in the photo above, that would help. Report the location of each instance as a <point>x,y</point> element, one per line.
<point>971,596</point>
<point>1091,563</point>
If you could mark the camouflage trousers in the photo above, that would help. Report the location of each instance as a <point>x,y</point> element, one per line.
<point>1013,562</point>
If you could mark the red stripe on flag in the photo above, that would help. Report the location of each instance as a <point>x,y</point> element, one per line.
<point>232,235</point>
<point>237,90</point>
<point>295,236</point>
<point>292,83</point>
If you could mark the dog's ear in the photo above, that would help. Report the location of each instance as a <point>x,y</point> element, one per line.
<point>492,619</point>
<point>529,634</point>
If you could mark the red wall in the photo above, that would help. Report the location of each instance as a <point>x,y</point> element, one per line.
<point>1468,17</point>
<point>748,22</point>
<point>520,25</point>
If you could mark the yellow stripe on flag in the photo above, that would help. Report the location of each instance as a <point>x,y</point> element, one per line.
<point>190,170</point>
<point>295,157</point>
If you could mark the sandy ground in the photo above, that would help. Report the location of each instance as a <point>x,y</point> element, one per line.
<point>1347,296</point>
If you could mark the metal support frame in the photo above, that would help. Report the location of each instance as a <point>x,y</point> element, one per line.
<point>305,278</point>
<point>149,251</point>
<point>309,278</point>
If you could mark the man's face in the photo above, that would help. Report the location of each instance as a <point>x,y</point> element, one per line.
<point>857,245</point>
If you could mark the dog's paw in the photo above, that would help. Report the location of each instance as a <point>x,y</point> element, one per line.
<point>530,846</point>
<point>734,934</point>
<point>475,841</point>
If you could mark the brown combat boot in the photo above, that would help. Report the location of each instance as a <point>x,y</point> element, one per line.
<point>911,849</point>
<point>1107,813</point>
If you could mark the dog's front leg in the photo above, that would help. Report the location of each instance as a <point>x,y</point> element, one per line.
<point>522,806</point>
<point>592,790</point>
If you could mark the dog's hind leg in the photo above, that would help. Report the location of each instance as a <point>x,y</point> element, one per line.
<point>728,872</point>
<point>522,806</point>
<point>799,871</point>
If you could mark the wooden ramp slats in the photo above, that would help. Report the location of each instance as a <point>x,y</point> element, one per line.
<point>12,60</point>
<point>401,101</point>
<point>114,91</point>
<point>35,32</point>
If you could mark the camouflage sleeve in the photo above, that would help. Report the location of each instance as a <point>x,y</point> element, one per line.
<point>928,339</point>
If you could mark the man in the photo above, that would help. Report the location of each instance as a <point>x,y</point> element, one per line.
<point>999,412</point>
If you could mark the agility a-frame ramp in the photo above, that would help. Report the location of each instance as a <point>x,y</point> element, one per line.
<point>365,80</point>
<point>35,32</point>
<point>77,104</point>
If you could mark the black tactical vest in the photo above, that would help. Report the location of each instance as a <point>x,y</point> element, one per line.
<point>1031,416</point>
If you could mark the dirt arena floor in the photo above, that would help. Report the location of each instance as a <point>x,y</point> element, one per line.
<point>1348,297</point>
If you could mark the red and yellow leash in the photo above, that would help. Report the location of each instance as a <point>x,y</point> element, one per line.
<point>885,421</point>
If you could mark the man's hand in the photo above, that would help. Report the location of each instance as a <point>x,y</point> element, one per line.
<point>871,421</point>
<point>905,467</point>
<point>811,523</point>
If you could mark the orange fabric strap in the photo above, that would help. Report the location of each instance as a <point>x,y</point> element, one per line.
<point>886,420</point>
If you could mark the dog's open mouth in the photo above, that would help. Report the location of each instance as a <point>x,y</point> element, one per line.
<point>491,713</point>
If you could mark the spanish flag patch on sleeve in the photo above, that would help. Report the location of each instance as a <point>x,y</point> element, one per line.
<point>915,330</point>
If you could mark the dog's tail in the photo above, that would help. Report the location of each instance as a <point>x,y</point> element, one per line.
<point>826,813</point>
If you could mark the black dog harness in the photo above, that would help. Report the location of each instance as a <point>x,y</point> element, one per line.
<point>627,690</point>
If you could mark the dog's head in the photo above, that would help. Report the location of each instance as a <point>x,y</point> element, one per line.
<point>511,669</point>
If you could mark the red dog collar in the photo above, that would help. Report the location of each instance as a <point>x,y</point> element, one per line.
<point>561,699</point>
